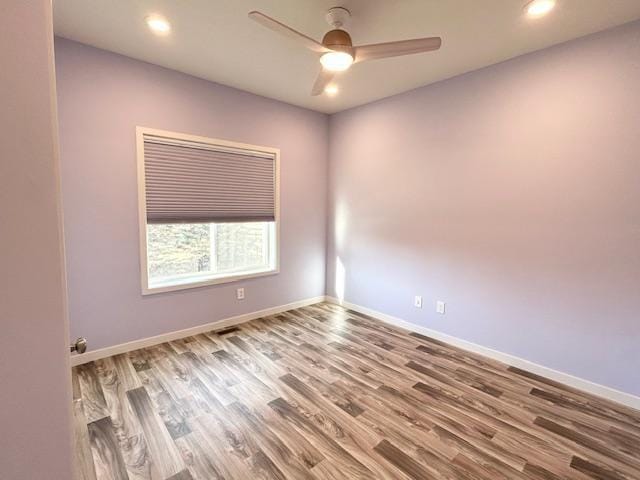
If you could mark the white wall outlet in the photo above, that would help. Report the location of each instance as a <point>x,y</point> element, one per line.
<point>240,293</point>
<point>417,301</point>
<point>440,307</point>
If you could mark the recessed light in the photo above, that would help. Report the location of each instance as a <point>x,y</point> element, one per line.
<point>331,90</point>
<point>539,8</point>
<point>336,61</point>
<point>158,24</point>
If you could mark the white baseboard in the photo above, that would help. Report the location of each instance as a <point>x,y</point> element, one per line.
<point>575,382</point>
<point>187,332</point>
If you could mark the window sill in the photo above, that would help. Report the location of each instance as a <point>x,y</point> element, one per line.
<point>186,284</point>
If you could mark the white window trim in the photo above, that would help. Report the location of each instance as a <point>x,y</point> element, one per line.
<point>215,279</point>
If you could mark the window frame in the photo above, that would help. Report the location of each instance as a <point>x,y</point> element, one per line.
<point>142,212</point>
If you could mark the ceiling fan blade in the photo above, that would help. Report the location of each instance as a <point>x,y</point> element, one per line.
<point>323,79</point>
<point>283,29</point>
<point>396,49</point>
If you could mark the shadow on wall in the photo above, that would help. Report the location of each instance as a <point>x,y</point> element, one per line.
<point>340,279</point>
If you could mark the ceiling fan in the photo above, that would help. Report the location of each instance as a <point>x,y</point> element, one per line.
<point>337,52</point>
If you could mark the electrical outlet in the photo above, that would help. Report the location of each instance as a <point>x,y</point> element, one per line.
<point>417,301</point>
<point>440,307</point>
<point>240,293</point>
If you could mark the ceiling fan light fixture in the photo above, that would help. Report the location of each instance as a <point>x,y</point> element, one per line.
<point>539,8</point>
<point>336,61</point>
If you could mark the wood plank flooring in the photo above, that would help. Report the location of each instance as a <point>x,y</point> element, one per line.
<point>326,393</point>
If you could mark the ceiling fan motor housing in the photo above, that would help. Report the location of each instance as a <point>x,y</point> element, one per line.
<point>339,41</point>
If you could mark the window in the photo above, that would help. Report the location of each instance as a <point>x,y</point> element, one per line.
<point>208,210</point>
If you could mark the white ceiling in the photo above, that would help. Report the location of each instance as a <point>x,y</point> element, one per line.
<point>214,39</point>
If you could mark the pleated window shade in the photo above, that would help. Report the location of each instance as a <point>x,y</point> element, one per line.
<point>193,182</point>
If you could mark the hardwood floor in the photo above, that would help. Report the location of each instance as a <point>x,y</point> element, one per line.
<point>325,393</point>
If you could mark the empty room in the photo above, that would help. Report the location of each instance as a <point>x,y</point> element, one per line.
<point>311,239</point>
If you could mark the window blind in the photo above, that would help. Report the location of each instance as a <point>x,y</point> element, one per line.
<point>192,182</point>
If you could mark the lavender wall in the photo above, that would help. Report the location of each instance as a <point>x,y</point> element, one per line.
<point>35,382</point>
<point>513,194</point>
<point>102,97</point>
